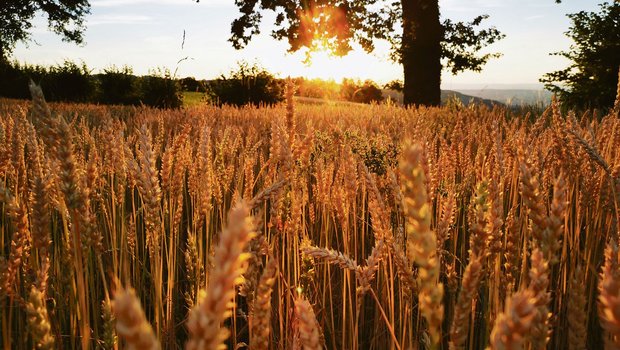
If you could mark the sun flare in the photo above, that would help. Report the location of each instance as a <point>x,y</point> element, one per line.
<point>321,63</point>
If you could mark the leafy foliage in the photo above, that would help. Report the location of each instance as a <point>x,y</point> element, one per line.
<point>592,77</point>
<point>396,85</point>
<point>248,84</point>
<point>158,89</point>
<point>118,86</point>
<point>14,78</point>
<point>72,82</point>
<point>64,17</point>
<point>336,25</point>
<point>317,88</point>
<point>462,42</point>
<point>193,85</point>
<point>366,92</point>
<point>68,81</point>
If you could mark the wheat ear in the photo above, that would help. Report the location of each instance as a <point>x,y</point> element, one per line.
<point>609,296</point>
<point>261,310</point>
<point>205,319</point>
<point>421,241</point>
<point>38,320</point>
<point>131,323</point>
<point>306,325</point>
<point>512,326</point>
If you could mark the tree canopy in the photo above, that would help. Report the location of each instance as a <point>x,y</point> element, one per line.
<point>592,77</point>
<point>335,25</point>
<point>64,17</point>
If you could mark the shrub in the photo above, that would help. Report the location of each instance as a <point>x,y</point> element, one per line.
<point>14,78</point>
<point>193,85</point>
<point>158,89</point>
<point>118,86</point>
<point>247,85</point>
<point>69,82</point>
<point>317,88</point>
<point>355,91</point>
<point>396,85</point>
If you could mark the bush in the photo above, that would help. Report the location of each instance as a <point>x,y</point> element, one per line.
<point>69,82</point>
<point>355,91</point>
<point>247,85</point>
<point>158,89</point>
<point>192,85</point>
<point>14,78</point>
<point>317,88</point>
<point>118,86</point>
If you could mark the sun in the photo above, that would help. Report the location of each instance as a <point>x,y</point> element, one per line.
<point>323,37</point>
<point>320,62</point>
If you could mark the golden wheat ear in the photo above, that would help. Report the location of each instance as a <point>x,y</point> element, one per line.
<point>260,318</point>
<point>459,330</point>
<point>609,296</point>
<point>513,325</point>
<point>131,323</point>
<point>306,326</point>
<point>38,320</point>
<point>40,107</point>
<point>422,241</point>
<point>205,319</point>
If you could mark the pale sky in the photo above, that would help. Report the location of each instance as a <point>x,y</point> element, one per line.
<point>147,34</point>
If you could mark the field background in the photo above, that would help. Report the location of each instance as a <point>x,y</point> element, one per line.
<point>335,226</point>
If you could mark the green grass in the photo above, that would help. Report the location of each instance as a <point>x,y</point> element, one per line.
<point>191,98</point>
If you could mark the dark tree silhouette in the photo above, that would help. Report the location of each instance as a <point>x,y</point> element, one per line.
<point>591,79</point>
<point>64,17</point>
<point>420,41</point>
<point>247,84</point>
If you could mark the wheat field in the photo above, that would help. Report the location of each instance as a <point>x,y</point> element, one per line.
<point>308,227</point>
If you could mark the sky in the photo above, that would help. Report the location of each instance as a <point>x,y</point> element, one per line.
<point>148,34</point>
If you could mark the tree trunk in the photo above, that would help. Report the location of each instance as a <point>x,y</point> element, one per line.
<point>421,52</point>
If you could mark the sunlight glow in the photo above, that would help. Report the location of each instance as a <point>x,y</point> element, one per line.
<point>321,63</point>
<point>323,38</point>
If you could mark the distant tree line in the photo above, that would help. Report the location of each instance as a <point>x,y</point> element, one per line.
<point>246,84</point>
<point>351,90</point>
<point>72,82</point>
<point>252,84</point>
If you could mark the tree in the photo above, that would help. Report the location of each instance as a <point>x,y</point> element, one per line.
<point>420,46</point>
<point>591,79</point>
<point>118,85</point>
<point>191,84</point>
<point>356,91</point>
<point>395,85</point>
<point>248,84</point>
<point>159,89</point>
<point>64,17</point>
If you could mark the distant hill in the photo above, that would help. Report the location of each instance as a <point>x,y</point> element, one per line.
<point>512,97</point>
<point>447,95</point>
